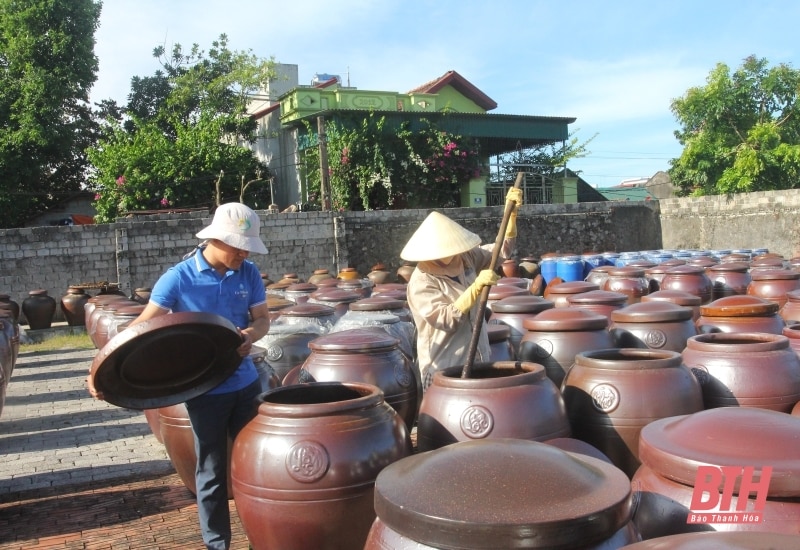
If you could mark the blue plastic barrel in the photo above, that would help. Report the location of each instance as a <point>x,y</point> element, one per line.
<point>569,268</point>
<point>547,267</point>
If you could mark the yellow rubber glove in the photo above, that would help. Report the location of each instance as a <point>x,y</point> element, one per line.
<point>464,303</point>
<point>514,195</point>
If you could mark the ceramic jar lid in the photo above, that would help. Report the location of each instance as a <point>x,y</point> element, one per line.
<point>307,310</point>
<point>301,287</point>
<point>737,267</point>
<point>598,297</point>
<point>566,319</point>
<point>765,274</point>
<point>740,305</point>
<point>726,436</point>
<point>166,360</point>
<point>626,271</point>
<point>377,303</point>
<point>651,312</point>
<point>680,297</point>
<point>498,292</point>
<point>522,304</point>
<point>503,493</point>
<point>337,295</point>
<point>572,287</point>
<point>354,340</point>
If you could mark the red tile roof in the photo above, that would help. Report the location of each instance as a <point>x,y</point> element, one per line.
<point>462,85</point>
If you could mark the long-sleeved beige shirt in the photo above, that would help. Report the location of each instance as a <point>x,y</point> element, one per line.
<point>443,332</point>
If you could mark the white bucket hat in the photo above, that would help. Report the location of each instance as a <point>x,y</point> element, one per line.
<point>236,225</point>
<point>438,237</point>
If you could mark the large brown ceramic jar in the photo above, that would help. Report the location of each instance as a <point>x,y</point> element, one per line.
<point>677,297</point>
<point>362,287</point>
<point>560,293</point>
<point>773,284</point>
<point>122,317</point>
<point>790,312</point>
<point>319,275</point>
<point>655,275</point>
<point>739,313</point>
<point>748,369</point>
<point>369,355</point>
<point>598,275</point>
<point>671,450</point>
<point>554,337</point>
<point>303,470</point>
<point>378,274</point>
<point>688,278</point>
<point>497,400</point>
<point>654,325</point>
<point>602,302</point>
<point>512,311</point>
<point>72,306</point>
<point>94,306</point>
<point>503,493</point>
<point>103,318</point>
<point>39,308</point>
<point>383,303</point>
<point>728,279</point>
<point>403,331</point>
<point>612,394</point>
<point>629,281</point>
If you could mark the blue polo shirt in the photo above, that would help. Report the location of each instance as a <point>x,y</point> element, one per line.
<point>193,285</point>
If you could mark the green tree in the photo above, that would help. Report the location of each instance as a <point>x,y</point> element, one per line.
<point>181,140</point>
<point>740,132</point>
<point>47,67</point>
<point>546,160</point>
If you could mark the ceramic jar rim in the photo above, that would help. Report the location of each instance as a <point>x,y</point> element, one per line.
<point>353,395</point>
<point>628,359</point>
<point>513,373</point>
<point>737,342</point>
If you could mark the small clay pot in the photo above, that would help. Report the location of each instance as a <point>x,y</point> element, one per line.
<point>749,369</point>
<point>612,394</point>
<point>740,313</point>
<point>497,400</point>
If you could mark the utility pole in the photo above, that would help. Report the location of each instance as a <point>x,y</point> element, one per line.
<point>325,183</point>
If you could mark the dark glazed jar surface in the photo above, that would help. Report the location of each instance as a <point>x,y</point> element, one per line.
<point>688,278</point>
<point>748,369</point>
<point>504,493</point>
<point>39,308</point>
<point>629,281</point>
<point>739,313</point>
<point>672,448</point>
<point>369,355</point>
<point>728,279</point>
<point>72,306</point>
<point>554,337</point>
<point>560,293</point>
<point>773,284</point>
<point>497,400</point>
<point>612,394</point>
<point>654,325</point>
<point>303,470</point>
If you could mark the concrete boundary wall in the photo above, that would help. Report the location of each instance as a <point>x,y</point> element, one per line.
<point>748,220</point>
<point>135,251</point>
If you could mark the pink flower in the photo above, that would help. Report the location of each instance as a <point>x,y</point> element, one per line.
<point>97,197</point>
<point>121,181</point>
<point>164,201</point>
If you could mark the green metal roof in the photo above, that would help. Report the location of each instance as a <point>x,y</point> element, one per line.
<point>497,134</point>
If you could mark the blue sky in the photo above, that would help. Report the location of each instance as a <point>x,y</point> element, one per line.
<point>615,66</point>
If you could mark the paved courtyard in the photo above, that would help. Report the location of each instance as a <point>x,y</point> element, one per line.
<point>81,473</point>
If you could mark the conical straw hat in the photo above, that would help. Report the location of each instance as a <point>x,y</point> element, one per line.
<point>438,237</point>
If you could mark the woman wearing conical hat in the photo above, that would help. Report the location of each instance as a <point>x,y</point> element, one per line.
<point>443,290</point>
